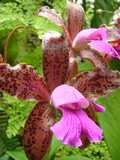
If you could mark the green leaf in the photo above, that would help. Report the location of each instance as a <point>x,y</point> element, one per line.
<point>6,143</point>
<point>61,7</point>
<point>103,12</point>
<point>114,64</point>
<point>54,146</point>
<point>3,126</point>
<point>25,44</point>
<point>76,157</point>
<point>109,121</point>
<point>43,25</point>
<point>85,66</point>
<point>17,111</point>
<point>17,154</point>
<point>4,157</point>
<point>25,47</point>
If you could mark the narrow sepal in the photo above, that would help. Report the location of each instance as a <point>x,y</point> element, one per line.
<point>52,15</point>
<point>55,59</point>
<point>37,134</point>
<point>75,18</point>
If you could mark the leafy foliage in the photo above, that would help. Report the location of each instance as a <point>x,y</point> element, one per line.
<point>17,115</point>
<point>93,152</point>
<point>12,120</point>
<point>5,143</point>
<point>103,12</point>
<point>25,41</point>
<point>115,64</point>
<point>25,46</point>
<point>60,6</point>
<point>109,121</point>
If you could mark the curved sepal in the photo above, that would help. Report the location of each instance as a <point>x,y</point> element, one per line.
<point>75,18</point>
<point>96,83</point>
<point>23,82</point>
<point>55,59</point>
<point>52,15</point>
<point>37,134</point>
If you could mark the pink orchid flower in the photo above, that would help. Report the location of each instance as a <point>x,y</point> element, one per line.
<point>74,122</point>
<point>96,39</point>
<point>23,82</point>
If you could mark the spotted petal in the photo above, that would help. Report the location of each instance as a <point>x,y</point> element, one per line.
<point>96,83</point>
<point>23,82</point>
<point>75,18</point>
<point>55,59</point>
<point>37,135</point>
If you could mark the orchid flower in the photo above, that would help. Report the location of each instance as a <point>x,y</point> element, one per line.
<point>73,97</point>
<point>96,39</point>
<point>74,122</point>
<point>23,82</point>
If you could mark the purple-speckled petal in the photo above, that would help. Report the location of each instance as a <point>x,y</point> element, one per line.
<point>67,96</point>
<point>104,48</point>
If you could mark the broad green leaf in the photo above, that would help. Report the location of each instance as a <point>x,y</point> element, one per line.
<point>4,157</point>
<point>17,154</point>
<point>76,157</point>
<point>109,121</point>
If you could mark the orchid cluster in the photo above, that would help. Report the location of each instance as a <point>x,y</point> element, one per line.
<point>62,88</point>
<point>116,41</point>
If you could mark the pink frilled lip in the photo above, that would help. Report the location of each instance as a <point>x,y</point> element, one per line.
<point>67,96</point>
<point>74,122</point>
<point>73,125</point>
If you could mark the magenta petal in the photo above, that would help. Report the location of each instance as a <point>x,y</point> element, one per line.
<point>68,129</point>
<point>65,95</point>
<point>104,48</point>
<point>89,128</point>
<point>99,108</point>
<point>98,34</point>
<point>87,35</point>
<point>93,34</point>
<point>73,125</point>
